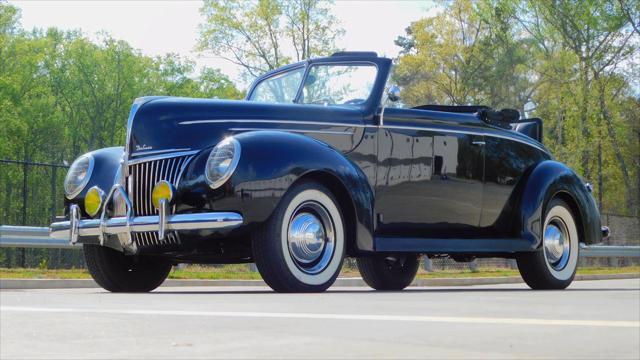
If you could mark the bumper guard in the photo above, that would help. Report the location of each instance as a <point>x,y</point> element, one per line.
<point>75,227</point>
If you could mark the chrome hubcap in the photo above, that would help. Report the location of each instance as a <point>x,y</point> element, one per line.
<point>556,244</point>
<point>306,238</point>
<point>311,237</point>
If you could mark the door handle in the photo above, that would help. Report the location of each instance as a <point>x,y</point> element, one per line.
<point>478,143</point>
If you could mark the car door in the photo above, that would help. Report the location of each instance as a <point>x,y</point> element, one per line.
<point>429,177</point>
<point>506,161</point>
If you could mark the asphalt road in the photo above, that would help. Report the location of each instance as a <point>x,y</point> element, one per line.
<point>592,319</point>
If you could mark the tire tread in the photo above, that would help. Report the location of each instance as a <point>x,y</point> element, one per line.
<point>116,272</point>
<point>377,275</point>
<point>533,267</point>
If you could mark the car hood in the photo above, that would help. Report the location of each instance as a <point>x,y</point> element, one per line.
<point>172,124</point>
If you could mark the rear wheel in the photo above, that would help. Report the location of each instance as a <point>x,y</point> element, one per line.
<point>116,272</point>
<point>388,273</point>
<point>301,246</point>
<point>554,264</point>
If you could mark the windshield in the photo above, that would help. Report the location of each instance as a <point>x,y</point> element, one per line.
<point>338,84</point>
<point>281,88</point>
<point>325,84</point>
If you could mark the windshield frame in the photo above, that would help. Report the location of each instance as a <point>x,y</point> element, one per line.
<point>275,73</point>
<point>307,67</point>
<point>338,63</point>
<point>370,108</point>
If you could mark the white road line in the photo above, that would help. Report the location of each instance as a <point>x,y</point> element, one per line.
<point>407,318</point>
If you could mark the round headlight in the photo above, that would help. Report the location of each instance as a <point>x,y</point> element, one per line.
<point>78,175</point>
<point>222,162</point>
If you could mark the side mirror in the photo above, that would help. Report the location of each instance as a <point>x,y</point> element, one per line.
<point>394,93</point>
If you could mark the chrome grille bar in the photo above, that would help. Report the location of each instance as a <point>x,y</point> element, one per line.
<point>143,176</point>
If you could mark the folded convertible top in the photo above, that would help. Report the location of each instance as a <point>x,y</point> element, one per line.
<point>503,118</point>
<point>469,109</point>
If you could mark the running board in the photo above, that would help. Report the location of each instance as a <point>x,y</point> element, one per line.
<point>451,246</point>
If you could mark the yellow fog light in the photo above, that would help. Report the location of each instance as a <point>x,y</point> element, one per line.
<point>93,200</point>
<point>162,191</point>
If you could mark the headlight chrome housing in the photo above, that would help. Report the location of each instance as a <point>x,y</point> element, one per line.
<point>222,162</point>
<point>78,175</point>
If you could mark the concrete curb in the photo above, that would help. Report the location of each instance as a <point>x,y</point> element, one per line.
<point>341,282</point>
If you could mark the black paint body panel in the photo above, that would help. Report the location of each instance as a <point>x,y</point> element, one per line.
<point>408,180</point>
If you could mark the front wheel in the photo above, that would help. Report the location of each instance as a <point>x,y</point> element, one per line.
<point>388,272</point>
<point>554,264</point>
<point>116,272</point>
<point>301,246</point>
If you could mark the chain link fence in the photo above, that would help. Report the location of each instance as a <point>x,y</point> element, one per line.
<point>31,194</point>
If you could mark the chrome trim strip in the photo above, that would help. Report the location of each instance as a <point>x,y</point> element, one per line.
<point>118,225</point>
<point>482,133</point>
<point>161,156</point>
<point>154,152</point>
<point>426,128</point>
<point>296,122</point>
<point>296,131</point>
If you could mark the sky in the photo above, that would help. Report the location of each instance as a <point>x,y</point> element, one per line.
<point>160,27</point>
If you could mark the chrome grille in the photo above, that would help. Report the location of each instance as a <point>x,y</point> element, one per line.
<point>142,177</point>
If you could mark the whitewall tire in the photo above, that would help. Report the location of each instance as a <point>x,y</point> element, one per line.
<point>301,247</point>
<point>554,264</point>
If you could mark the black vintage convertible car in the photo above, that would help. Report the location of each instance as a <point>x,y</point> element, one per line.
<point>321,161</point>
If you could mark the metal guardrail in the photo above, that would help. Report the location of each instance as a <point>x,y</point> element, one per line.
<point>31,237</point>
<point>609,251</point>
<point>38,237</point>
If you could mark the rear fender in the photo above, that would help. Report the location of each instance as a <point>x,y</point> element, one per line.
<point>550,179</point>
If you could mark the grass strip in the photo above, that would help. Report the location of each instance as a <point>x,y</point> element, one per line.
<point>242,272</point>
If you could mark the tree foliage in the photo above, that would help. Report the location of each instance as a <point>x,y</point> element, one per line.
<point>572,63</point>
<point>263,35</point>
<point>62,95</point>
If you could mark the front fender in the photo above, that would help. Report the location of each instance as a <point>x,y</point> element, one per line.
<point>106,165</point>
<point>548,179</point>
<point>270,162</point>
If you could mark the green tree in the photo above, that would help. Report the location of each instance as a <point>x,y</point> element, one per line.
<point>442,59</point>
<point>598,33</point>
<point>62,94</point>
<point>214,84</point>
<point>263,35</point>
<point>574,64</point>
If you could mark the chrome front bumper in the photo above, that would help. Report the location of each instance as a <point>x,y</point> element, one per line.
<point>126,225</point>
